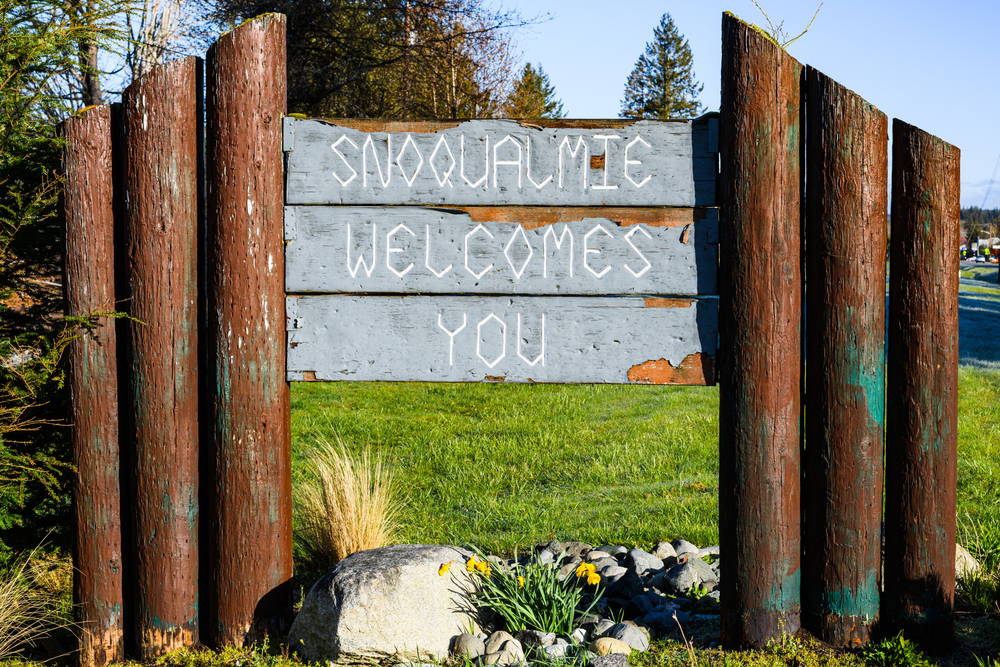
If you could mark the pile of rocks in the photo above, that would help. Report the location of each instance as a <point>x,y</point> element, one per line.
<point>648,592</point>
<point>400,604</point>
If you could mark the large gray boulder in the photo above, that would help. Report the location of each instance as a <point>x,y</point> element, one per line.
<point>386,604</point>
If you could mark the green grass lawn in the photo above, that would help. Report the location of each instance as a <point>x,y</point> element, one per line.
<point>506,466</point>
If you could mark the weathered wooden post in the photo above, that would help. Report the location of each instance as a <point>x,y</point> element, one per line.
<point>760,313</point>
<point>847,163</point>
<point>88,211</point>
<point>251,561</point>
<point>921,420</point>
<point>163,129</point>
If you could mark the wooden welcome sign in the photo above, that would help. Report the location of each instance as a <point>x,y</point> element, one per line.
<point>578,252</point>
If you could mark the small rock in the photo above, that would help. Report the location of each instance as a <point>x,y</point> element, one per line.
<point>554,652</point>
<point>553,546</point>
<point>489,658</point>
<point>561,641</point>
<point>613,550</point>
<point>627,586</point>
<point>595,555</point>
<point>609,645</point>
<point>568,570</point>
<point>656,581</point>
<point>631,635</point>
<point>511,652</point>
<point>715,595</point>
<point>611,573</point>
<point>663,550</point>
<point>683,547</point>
<point>679,579</point>
<point>610,660</point>
<point>705,571</point>
<point>576,550</point>
<point>643,563</point>
<point>965,564</point>
<point>603,626</point>
<point>497,640</point>
<point>545,557</point>
<point>468,646</point>
<point>578,636</point>
<point>638,606</point>
<point>535,638</point>
<point>708,551</point>
<point>710,585</point>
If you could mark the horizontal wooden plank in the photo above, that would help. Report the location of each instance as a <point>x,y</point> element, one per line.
<point>502,162</point>
<point>379,249</point>
<point>512,339</point>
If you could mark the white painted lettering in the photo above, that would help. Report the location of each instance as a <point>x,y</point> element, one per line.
<point>540,357</point>
<point>486,167</point>
<point>594,251</point>
<point>451,338</point>
<point>467,237</point>
<point>442,180</point>
<point>388,161</point>
<point>558,242</point>
<point>354,174</point>
<point>409,142</point>
<point>572,154</point>
<point>506,252</point>
<point>527,168</point>
<point>389,250</point>
<point>427,260</point>
<point>628,146</point>
<point>607,138</point>
<point>361,257</point>
<point>628,239</point>
<point>507,163</point>
<point>479,339</point>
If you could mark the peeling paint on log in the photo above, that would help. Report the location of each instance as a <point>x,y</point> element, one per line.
<point>503,162</point>
<point>251,560</point>
<point>921,419</point>
<point>521,339</point>
<point>163,124</point>
<point>87,203</point>
<point>760,325</point>
<point>847,162</point>
<point>422,250</point>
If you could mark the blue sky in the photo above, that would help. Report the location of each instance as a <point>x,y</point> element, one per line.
<point>932,64</point>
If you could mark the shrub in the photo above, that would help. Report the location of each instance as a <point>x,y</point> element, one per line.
<point>893,652</point>
<point>345,504</point>
<point>532,597</point>
<point>33,596</point>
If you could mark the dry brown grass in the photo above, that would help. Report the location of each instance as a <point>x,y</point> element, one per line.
<point>349,504</point>
<point>26,601</point>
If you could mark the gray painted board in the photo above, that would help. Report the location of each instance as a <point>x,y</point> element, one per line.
<point>514,339</point>
<point>424,250</point>
<point>503,162</point>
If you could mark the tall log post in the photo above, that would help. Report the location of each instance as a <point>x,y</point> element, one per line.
<point>847,163</point>
<point>922,418</point>
<point>163,126</point>
<point>251,563</point>
<point>760,311</point>
<point>88,208</point>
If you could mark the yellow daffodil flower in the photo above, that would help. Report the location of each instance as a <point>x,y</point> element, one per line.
<point>520,582</point>
<point>593,578</point>
<point>585,569</point>
<point>483,566</point>
<point>470,565</point>
<point>443,570</point>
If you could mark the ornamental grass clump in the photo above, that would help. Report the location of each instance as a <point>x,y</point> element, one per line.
<point>348,503</point>
<point>532,597</point>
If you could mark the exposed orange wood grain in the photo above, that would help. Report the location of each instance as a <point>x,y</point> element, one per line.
<point>695,369</point>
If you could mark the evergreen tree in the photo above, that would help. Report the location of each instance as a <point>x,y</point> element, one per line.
<point>533,96</point>
<point>662,85</point>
